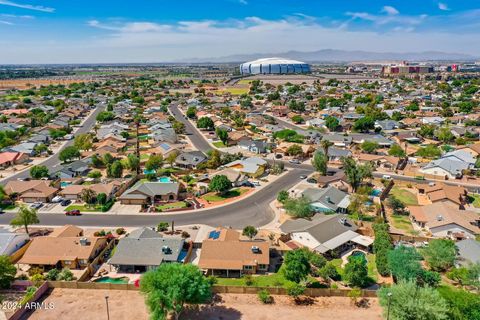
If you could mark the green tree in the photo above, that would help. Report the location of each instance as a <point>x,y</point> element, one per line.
<point>396,205</point>
<point>369,146</point>
<point>440,254</point>
<point>222,134</point>
<point>320,163</point>
<point>97,162</point>
<point>101,198</point>
<point>396,151</point>
<point>205,123</point>
<point>407,301</point>
<point>298,207</point>
<point>294,150</point>
<point>445,135</point>
<point>38,171</point>
<point>297,119</point>
<point>462,304</point>
<point>108,159</point>
<point>25,216</point>
<point>191,112</point>
<point>115,170</point>
<point>332,123</point>
<point>404,263</point>
<point>154,162</point>
<point>429,151</point>
<point>83,141</point>
<point>328,272</point>
<point>250,231</point>
<point>282,196</point>
<point>69,153</point>
<point>88,196</point>
<point>364,124</point>
<point>296,265</point>
<point>105,116</point>
<point>220,184</point>
<point>356,272</point>
<point>172,156</point>
<point>133,162</point>
<point>170,286</point>
<point>356,173</point>
<point>381,247</point>
<point>7,272</point>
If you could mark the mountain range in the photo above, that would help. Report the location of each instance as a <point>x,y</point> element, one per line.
<point>332,55</point>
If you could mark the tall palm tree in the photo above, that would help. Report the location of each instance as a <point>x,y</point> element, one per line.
<point>325,144</point>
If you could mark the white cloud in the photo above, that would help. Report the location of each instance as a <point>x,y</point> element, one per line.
<point>6,22</point>
<point>146,41</point>
<point>26,6</point>
<point>390,10</point>
<point>443,6</point>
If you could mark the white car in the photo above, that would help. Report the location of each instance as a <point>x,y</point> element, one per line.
<point>57,199</point>
<point>36,205</point>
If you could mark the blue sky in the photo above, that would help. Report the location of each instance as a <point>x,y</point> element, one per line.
<point>59,31</point>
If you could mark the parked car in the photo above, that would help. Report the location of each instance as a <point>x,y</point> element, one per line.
<point>248,184</point>
<point>36,205</point>
<point>65,202</point>
<point>303,177</point>
<point>73,213</point>
<point>294,161</point>
<point>57,199</point>
<point>256,183</point>
<point>311,180</point>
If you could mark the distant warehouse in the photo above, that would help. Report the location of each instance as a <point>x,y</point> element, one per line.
<point>274,66</point>
<point>406,69</point>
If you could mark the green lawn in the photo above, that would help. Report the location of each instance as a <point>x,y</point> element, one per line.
<point>236,91</point>
<point>405,196</point>
<point>83,208</point>
<point>214,197</point>
<point>7,206</point>
<point>402,223</point>
<point>173,205</point>
<point>219,144</point>
<point>475,200</point>
<point>372,267</point>
<point>273,280</point>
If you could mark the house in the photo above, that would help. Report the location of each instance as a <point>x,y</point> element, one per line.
<point>385,163</point>
<point>408,136</point>
<point>146,193</point>
<point>336,154</point>
<point>74,191</point>
<point>338,140</point>
<point>254,146</point>
<point>448,168</point>
<point>25,147</point>
<point>326,234</point>
<point>78,168</point>
<point>328,199</point>
<point>468,251</point>
<point>382,141</point>
<point>190,159</point>
<point>444,193</point>
<point>144,249</point>
<point>66,247</point>
<point>235,177</point>
<point>386,125</point>
<point>8,159</point>
<point>223,253</point>
<point>443,219</point>
<point>31,191</point>
<point>280,111</point>
<point>315,122</point>
<point>252,167</point>
<point>10,242</point>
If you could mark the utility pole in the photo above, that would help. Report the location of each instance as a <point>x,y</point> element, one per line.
<point>389,295</point>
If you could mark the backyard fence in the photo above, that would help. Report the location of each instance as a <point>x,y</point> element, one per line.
<point>312,292</point>
<point>20,313</point>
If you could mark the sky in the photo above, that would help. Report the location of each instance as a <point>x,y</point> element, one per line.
<point>123,31</point>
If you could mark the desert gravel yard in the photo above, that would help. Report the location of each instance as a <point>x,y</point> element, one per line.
<point>90,304</point>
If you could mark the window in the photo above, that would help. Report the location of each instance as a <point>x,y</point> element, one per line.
<point>83,261</point>
<point>262,266</point>
<point>248,267</point>
<point>67,262</point>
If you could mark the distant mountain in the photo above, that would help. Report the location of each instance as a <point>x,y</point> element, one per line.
<point>331,55</point>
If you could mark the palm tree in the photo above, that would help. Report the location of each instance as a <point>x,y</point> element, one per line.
<point>325,144</point>
<point>25,217</point>
<point>88,195</point>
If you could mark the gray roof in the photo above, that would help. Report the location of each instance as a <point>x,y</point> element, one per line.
<point>142,190</point>
<point>144,247</point>
<point>378,138</point>
<point>452,166</point>
<point>330,197</point>
<point>6,237</point>
<point>193,158</point>
<point>322,227</point>
<point>336,152</point>
<point>469,250</point>
<point>336,138</point>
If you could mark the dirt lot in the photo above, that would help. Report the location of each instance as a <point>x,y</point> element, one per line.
<point>90,304</point>
<point>28,83</point>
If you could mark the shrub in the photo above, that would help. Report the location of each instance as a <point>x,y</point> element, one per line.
<point>295,290</point>
<point>35,270</point>
<point>249,280</point>
<point>37,279</point>
<point>28,295</point>
<point>52,275</point>
<point>185,234</point>
<point>120,231</point>
<point>65,275</point>
<point>265,297</point>
<point>162,226</point>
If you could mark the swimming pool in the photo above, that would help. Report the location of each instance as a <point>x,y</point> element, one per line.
<point>376,192</point>
<point>164,179</point>
<point>112,280</point>
<point>64,184</point>
<point>359,254</point>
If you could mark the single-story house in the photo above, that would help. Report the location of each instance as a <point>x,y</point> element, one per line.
<point>447,168</point>
<point>146,193</point>
<point>255,146</point>
<point>328,199</point>
<point>8,159</point>
<point>443,219</point>
<point>144,249</point>
<point>386,163</point>
<point>190,159</point>
<point>10,242</point>
<point>326,234</point>
<point>223,253</point>
<point>64,248</point>
<point>236,178</point>
<point>252,166</point>
<point>444,193</point>
<point>31,191</point>
<point>73,191</point>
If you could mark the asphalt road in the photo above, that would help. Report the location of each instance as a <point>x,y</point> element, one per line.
<point>195,137</point>
<point>53,160</point>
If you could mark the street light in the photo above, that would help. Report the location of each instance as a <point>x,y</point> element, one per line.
<point>389,295</point>
<point>108,313</point>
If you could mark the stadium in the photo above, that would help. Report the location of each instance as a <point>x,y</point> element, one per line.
<point>274,66</point>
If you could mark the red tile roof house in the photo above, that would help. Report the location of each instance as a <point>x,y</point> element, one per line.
<point>8,159</point>
<point>31,191</point>
<point>73,192</point>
